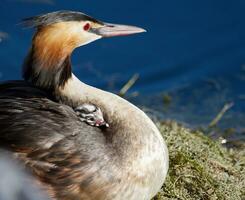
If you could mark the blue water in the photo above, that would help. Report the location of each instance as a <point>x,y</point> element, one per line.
<point>193,51</point>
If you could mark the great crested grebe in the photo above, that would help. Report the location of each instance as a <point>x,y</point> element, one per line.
<point>73,160</point>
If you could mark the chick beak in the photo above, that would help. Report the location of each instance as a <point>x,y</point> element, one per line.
<point>112,30</point>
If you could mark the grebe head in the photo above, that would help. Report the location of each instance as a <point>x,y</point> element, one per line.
<point>58,34</point>
<point>82,28</point>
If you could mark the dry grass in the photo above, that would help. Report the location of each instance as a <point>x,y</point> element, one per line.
<point>201,168</point>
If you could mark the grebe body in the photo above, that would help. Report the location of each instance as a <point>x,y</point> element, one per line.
<point>72,160</point>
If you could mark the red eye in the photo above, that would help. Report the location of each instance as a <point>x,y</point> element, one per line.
<point>86,27</point>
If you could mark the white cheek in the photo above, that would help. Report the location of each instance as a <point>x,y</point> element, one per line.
<point>86,38</point>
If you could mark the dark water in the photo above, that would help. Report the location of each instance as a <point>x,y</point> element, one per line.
<point>191,62</point>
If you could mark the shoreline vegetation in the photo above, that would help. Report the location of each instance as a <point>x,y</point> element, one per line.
<point>200,167</point>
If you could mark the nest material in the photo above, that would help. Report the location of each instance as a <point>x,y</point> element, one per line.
<point>201,168</point>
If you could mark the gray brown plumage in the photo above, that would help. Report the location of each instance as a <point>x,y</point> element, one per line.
<point>50,139</point>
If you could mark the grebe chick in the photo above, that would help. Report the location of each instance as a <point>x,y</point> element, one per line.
<point>91,114</point>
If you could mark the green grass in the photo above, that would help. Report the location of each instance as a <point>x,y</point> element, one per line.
<point>201,168</point>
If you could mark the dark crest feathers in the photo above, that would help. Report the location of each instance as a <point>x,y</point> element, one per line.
<point>55,17</point>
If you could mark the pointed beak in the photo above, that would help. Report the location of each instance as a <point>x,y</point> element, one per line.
<point>112,30</point>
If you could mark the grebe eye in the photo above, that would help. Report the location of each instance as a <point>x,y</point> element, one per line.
<point>86,27</point>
